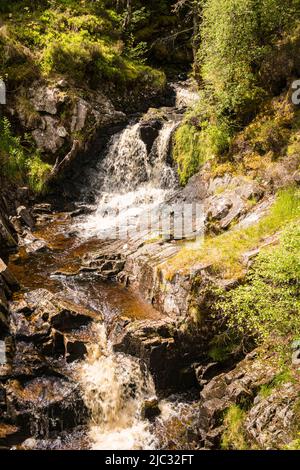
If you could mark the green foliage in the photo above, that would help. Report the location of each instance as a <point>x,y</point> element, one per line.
<point>269,302</point>
<point>233,436</point>
<point>17,163</point>
<point>236,37</point>
<point>80,40</point>
<point>281,378</point>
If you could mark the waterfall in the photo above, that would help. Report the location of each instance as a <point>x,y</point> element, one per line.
<point>114,390</point>
<point>131,181</point>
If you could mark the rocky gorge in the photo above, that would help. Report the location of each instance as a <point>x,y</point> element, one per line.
<point>114,334</point>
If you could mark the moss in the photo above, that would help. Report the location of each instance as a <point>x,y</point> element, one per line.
<point>233,437</point>
<point>193,146</point>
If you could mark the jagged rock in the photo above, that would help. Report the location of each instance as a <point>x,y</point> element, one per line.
<point>25,360</point>
<point>45,404</point>
<point>42,208</point>
<point>271,422</point>
<point>7,233</point>
<point>149,132</point>
<point>51,323</point>
<point>81,110</point>
<point>8,285</point>
<point>155,342</point>
<point>36,246</point>
<point>46,99</point>
<point>50,138</point>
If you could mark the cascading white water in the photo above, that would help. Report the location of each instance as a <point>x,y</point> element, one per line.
<point>114,390</point>
<point>130,183</point>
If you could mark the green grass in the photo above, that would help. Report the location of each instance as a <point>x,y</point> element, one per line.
<point>224,252</point>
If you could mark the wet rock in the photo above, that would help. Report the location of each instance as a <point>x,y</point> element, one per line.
<point>150,409</point>
<point>70,316</point>
<point>42,208</point>
<point>149,132</point>
<point>45,404</point>
<point>75,350</point>
<point>9,436</point>
<point>37,246</point>
<point>158,345</point>
<point>25,216</point>
<point>26,361</point>
<point>33,327</point>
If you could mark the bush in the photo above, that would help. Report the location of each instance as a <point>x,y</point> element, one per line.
<point>19,165</point>
<point>236,37</point>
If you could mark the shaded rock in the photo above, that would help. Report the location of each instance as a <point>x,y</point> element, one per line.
<point>158,345</point>
<point>45,404</point>
<point>149,132</point>
<point>50,138</point>
<point>7,233</point>
<point>9,435</point>
<point>150,409</point>
<point>25,216</point>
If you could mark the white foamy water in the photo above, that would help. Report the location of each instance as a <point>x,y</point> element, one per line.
<point>185,96</point>
<point>114,390</point>
<point>133,183</point>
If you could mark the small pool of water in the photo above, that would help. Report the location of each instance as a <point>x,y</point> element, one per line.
<point>65,252</point>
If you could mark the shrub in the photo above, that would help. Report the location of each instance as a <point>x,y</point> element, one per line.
<point>236,37</point>
<point>17,163</point>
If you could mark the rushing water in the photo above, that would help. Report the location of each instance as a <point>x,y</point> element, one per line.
<point>130,180</point>
<point>114,386</point>
<point>115,389</point>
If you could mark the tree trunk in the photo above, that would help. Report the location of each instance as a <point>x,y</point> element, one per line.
<point>128,15</point>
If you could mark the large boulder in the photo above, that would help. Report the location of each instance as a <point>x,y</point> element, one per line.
<point>167,354</point>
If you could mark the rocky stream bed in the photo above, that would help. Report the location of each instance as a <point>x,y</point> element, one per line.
<point>100,347</point>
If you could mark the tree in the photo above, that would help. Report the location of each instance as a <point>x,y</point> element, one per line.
<point>194,8</point>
